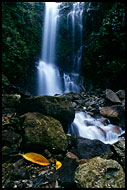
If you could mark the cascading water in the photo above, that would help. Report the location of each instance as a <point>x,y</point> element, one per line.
<point>49,81</point>
<point>71,80</point>
<point>88,127</point>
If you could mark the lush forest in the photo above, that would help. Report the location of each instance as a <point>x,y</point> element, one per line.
<point>63,95</point>
<point>103,42</point>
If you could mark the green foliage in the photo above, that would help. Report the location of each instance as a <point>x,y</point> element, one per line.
<point>21,34</point>
<point>104,57</point>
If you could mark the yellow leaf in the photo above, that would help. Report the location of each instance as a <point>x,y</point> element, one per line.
<point>36,158</point>
<point>58,164</point>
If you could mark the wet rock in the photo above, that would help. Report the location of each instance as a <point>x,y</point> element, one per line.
<point>114,113</point>
<point>58,107</point>
<point>119,152</point>
<point>103,120</point>
<point>74,104</point>
<point>42,132</point>
<point>66,173</point>
<point>19,163</point>
<point>86,148</point>
<point>72,156</point>
<point>110,95</point>
<point>12,139</point>
<point>10,100</point>
<point>99,173</point>
<point>121,94</point>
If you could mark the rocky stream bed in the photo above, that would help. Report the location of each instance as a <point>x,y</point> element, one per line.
<point>40,124</point>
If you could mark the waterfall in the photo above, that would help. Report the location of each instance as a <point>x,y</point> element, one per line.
<point>71,80</point>
<point>49,81</point>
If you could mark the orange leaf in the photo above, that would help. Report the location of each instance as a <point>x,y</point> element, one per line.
<point>36,158</point>
<point>58,164</point>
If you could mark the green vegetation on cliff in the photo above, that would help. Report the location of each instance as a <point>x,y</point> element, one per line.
<point>103,42</point>
<point>104,54</point>
<point>21,37</point>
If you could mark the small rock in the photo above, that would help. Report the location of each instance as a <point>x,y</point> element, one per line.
<point>20,173</point>
<point>74,104</point>
<point>110,95</point>
<point>121,94</point>
<point>72,156</point>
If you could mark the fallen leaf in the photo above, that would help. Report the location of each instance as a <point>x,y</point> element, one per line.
<point>58,164</point>
<point>36,158</point>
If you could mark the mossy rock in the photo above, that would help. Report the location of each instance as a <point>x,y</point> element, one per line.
<point>99,173</point>
<point>58,107</point>
<point>43,132</point>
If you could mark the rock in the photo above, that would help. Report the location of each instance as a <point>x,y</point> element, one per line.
<point>116,113</point>
<point>42,132</point>
<point>7,153</point>
<point>110,95</point>
<point>103,120</point>
<point>20,173</point>
<point>91,113</point>
<point>10,100</point>
<point>121,94</point>
<point>86,148</point>
<point>72,156</point>
<point>12,139</point>
<point>7,174</point>
<point>99,173</point>
<point>58,107</point>
<point>66,173</point>
<point>119,152</point>
<point>74,104</point>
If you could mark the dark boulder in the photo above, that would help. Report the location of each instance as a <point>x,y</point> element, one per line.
<point>42,132</point>
<point>58,107</point>
<point>86,148</point>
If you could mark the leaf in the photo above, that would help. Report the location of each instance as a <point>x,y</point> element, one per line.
<point>36,158</point>
<point>58,164</point>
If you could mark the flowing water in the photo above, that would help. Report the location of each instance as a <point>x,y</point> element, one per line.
<point>74,18</point>
<point>88,127</point>
<point>50,81</point>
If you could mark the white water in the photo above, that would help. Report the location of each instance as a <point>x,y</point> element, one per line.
<point>49,81</point>
<point>86,126</point>
<point>71,80</point>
